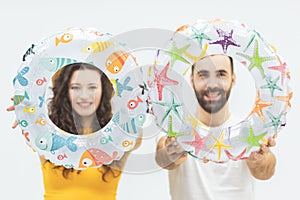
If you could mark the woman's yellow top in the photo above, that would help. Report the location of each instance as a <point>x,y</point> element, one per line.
<point>87,185</point>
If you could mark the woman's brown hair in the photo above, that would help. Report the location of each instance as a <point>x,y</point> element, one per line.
<point>63,116</point>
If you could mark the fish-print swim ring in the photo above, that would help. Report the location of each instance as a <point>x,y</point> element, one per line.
<point>33,86</point>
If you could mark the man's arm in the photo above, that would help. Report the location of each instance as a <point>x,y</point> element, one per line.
<point>262,163</point>
<point>169,154</point>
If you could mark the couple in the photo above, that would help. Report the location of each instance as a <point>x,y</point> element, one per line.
<point>89,94</point>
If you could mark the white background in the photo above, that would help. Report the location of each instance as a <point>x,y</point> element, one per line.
<point>25,22</point>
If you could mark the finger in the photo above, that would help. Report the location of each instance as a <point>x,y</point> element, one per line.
<point>15,124</point>
<point>205,160</point>
<point>255,156</point>
<point>264,148</point>
<point>271,142</point>
<point>170,141</point>
<point>11,108</point>
<point>176,156</point>
<point>174,148</point>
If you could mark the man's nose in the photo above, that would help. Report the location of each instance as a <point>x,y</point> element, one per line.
<point>212,82</point>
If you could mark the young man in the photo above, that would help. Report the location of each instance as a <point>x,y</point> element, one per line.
<point>212,78</point>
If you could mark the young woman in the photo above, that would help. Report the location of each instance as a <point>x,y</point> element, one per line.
<point>81,104</point>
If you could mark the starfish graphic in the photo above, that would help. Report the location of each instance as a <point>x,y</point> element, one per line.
<point>275,121</point>
<point>253,140</point>
<point>281,68</point>
<point>194,122</point>
<point>198,143</point>
<point>285,99</point>
<point>238,157</point>
<point>219,144</point>
<point>226,40</point>
<point>259,105</point>
<point>176,54</point>
<point>253,36</point>
<point>194,58</point>
<point>271,84</point>
<point>256,60</point>
<point>199,35</point>
<point>171,106</point>
<point>171,133</point>
<point>161,80</point>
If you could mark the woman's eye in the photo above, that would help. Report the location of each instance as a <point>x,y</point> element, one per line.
<point>93,88</point>
<point>74,88</point>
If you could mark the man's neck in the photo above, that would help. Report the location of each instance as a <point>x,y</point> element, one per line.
<point>213,119</point>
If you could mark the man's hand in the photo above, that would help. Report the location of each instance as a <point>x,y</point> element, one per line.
<point>262,162</point>
<point>169,153</point>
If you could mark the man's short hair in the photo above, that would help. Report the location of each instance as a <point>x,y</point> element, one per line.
<point>231,64</point>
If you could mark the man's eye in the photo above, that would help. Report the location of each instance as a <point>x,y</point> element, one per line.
<point>221,74</point>
<point>203,75</point>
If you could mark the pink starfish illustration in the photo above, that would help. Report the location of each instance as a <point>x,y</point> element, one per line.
<point>281,68</point>
<point>238,157</point>
<point>161,80</point>
<point>198,143</point>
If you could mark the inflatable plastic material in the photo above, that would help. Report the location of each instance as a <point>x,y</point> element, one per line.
<point>174,102</point>
<point>33,87</point>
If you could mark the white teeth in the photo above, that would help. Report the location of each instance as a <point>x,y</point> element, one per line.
<point>84,104</point>
<point>215,94</point>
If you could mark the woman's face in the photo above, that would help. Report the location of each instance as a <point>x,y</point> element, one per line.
<point>85,91</point>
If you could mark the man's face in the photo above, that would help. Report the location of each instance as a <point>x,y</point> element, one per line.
<point>212,80</point>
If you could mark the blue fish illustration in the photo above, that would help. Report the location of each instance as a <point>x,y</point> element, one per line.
<point>133,125</point>
<point>51,142</point>
<point>22,80</point>
<point>42,100</point>
<point>121,87</point>
<point>54,64</point>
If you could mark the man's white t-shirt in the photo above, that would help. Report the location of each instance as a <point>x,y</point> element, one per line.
<point>195,180</point>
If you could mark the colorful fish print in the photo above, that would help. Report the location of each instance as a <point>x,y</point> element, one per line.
<point>28,52</point>
<point>115,61</point>
<point>97,47</point>
<point>122,87</point>
<point>95,157</point>
<point>54,64</point>
<point>65,38</point>
<point>19,98</point>
<point>105,140</point>
<point>23,123</point>
<point>42,100</point>
<point>132,104</point>
<point>26,135</point>
<point>40,81</point>
<point>51,142</point>
<point>61,157</point>
<point>30,109</point>
<point>132,126</point>
<point>22,80</point>
<point>127,143</point>
<point>41,121</point>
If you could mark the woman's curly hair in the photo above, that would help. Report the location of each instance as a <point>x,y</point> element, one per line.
<point>63,116</point>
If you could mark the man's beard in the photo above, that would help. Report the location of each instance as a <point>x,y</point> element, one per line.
<point>212,106</point>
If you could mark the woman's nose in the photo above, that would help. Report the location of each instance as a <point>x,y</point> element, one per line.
<point>84,94</point>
